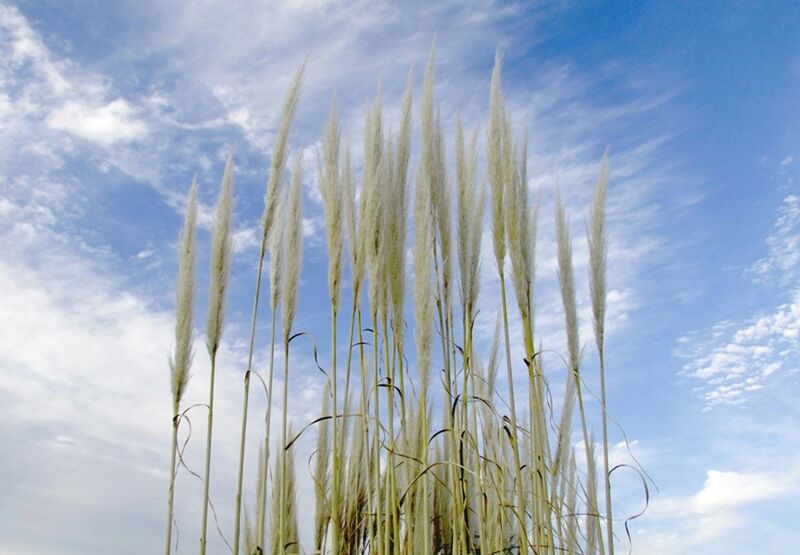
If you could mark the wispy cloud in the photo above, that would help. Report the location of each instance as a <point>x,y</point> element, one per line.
<point>734,360</point>
<point>84,378</point>
<point>45,88</point>
<point>783,257</point>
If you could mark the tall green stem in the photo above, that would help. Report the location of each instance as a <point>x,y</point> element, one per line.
<point>350,336</point>
<point>426,535</point>
<point>591,495</point>
<point>539,441</point>
<point>450,422</point>
<point>262,499</point>
<point>284,468</point>
<point>389,530</point>
<point>240,479</point>
<point>514,430</point>
<point>376,438</point>
<point>335,520</point>
<point>171,494</point>
<point>207,475</point>
<point>609,524</point>
<point>238,514</point>
<point>368,467</point>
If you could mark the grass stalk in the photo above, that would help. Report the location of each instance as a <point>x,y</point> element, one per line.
<point>181,361</point>
<point>207,467</point>
<point>597,279</point>
<point>376,452</point>
<point>262,493</point>
<point>246,399</point>
<point>171,493</point>
<point>220,270</point>
<point>518,487</point>
<point>336,493</point>
<point>490,483</point>
<point>283,496</point>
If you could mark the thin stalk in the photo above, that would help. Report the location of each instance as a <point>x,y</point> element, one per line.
<point>335,494</point>
<point>240,479</point>
<point>206,480</point>
<point>514,434</point>
<point>404,429</point>
<point>539,438</point>
<point>541,520</point>
<point>477,461</point>
<point>389,528</point>
<point>462,505</point>
<point>463,426</point>
<point>262,501</point>
<point>171,496</point>
<point>350,335</point>
<point>592,509</point>
<point>609,524</point>
<point>426,535</point>
<point>449,421</point>
<point>285,470</point>
<point>376,438</point>
<point>368,468</point>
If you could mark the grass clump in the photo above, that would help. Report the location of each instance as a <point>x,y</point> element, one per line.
<point>389,479</point>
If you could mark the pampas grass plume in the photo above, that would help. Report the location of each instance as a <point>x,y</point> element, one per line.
<point>181,361</point>
<point>329,184</point>
<point>423,286</point>
<point>597,253</point>
<point>566,282</point>
<point>220,260</point>
<point>279,152</point>
<point>496,170</point>
<point>292,251</point>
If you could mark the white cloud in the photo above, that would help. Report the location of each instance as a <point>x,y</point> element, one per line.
<point>223,51</point>
<point>245,238</point>
<point>105,124</point>
<point>85,393</point>
<point>735,359</point>
<point>723,505</point>
<point>726,491</point>
<point>783,258</point>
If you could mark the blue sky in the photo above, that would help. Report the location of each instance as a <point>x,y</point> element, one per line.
<point>107,110</point>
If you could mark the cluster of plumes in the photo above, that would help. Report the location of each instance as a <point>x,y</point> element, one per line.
<point>387,478</point>
<point>279,237</point>
<point>180,364</point>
